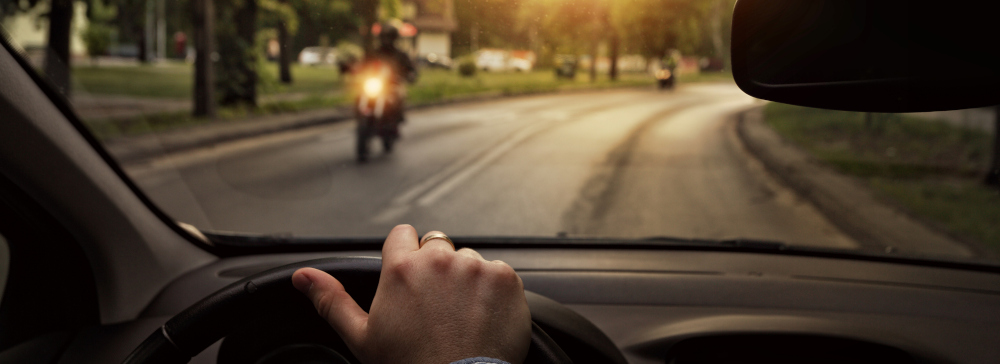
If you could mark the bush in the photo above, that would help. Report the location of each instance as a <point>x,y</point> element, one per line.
<point>97,38</point>
<point>467,67</point>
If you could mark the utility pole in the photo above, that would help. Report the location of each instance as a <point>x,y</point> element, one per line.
<point>204,75</point>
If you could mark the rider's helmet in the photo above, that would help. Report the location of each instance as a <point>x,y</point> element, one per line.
<point>388,35</point>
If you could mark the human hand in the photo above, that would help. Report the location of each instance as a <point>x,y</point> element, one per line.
<point>433,305</point>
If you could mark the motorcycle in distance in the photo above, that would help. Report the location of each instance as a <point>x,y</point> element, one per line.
<point>666,79</point>
<point>377,108</point>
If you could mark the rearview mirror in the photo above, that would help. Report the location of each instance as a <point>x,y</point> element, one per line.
<point>869,55</point>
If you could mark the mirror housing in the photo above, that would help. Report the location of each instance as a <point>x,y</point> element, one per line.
<point>869,55</point>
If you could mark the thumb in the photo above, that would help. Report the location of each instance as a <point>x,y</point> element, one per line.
<point>333,303</point>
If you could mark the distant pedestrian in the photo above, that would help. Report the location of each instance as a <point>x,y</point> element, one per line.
<point>180,45</point>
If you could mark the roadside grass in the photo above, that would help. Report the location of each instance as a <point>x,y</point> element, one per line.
<point>106,130</point>
<point>438,85</point>
<point>317,88</point>
<point>313,88</point>
<point>174,80</point>
<point>929,168</point>
<point>706,77</point>
<point>167,80</point>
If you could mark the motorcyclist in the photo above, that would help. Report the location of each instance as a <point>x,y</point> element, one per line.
<point>667,75</point>
<point>398,61</point>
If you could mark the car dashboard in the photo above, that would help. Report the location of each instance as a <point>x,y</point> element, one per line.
<point>660,306</point>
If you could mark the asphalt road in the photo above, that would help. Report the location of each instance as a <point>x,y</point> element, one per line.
<point>630,163</point>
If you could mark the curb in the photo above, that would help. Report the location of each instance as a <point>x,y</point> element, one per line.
<point>134,150</point>
<point>845,201</point>
<point>141,148</point>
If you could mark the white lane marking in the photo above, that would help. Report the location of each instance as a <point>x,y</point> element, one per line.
<point>456,179</point>
<point>443,182</point>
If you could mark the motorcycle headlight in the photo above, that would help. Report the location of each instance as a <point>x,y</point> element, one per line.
<point>373,87</point>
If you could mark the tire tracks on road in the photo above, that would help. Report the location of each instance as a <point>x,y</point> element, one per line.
<point>595,198</point>
<point>440,184</point>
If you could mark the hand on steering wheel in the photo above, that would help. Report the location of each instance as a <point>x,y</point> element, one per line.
<point>432,305</point>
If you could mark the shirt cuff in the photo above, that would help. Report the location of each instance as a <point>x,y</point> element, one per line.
<point>480,360</point>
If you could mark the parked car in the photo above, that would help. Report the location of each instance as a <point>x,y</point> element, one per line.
<point>433,60</point>
<point>493,60</point>
<point>520,65</point>
<point>566,66</point>
<point>313,56</point>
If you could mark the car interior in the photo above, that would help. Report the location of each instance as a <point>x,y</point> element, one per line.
<point>92,271</point>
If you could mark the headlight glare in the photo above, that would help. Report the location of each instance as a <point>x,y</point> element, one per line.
<point>373,87</point>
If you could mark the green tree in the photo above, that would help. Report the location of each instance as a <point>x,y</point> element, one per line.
<point>367,12</point>
<point>490,24</point>
<point>98,34</point>
<point>281,15</point>
<point>131,22</point>
<point>239,58</point>
<point>331,20</point>
<point>653,27</point>
<point>390,9</point>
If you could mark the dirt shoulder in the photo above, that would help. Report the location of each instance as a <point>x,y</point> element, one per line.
<point>847,202</point>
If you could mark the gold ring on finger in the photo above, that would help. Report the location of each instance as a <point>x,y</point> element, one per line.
<point>436,236</point>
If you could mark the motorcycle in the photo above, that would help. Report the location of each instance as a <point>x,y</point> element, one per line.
<point>378,108</point>
<point>666,79</point>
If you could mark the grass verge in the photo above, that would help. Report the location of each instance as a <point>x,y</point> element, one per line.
<point>175,80</point>
<point>314,88</point>
<point>929,168</point>
<point>160,122</point>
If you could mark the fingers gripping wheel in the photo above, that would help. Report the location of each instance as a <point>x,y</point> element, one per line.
<point>215,316</point>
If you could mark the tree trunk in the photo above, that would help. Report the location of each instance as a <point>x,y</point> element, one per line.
<point>57,53</point>
<point>615,43</point>
<point>993,173</point>
<point>141,40</point>
<point>246,29</point>
<point>284,54</point>
<point>593,62</point>
<point>204,75</point>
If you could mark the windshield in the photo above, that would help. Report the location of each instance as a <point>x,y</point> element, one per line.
<point>497,118</point>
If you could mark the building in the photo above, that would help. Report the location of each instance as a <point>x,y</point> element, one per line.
<point>435,21</point>
<point>30,30</point>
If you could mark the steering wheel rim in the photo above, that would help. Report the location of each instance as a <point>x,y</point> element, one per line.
<point>196,328</point>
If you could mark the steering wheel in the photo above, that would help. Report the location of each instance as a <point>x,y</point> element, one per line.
<point>216,316</point>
